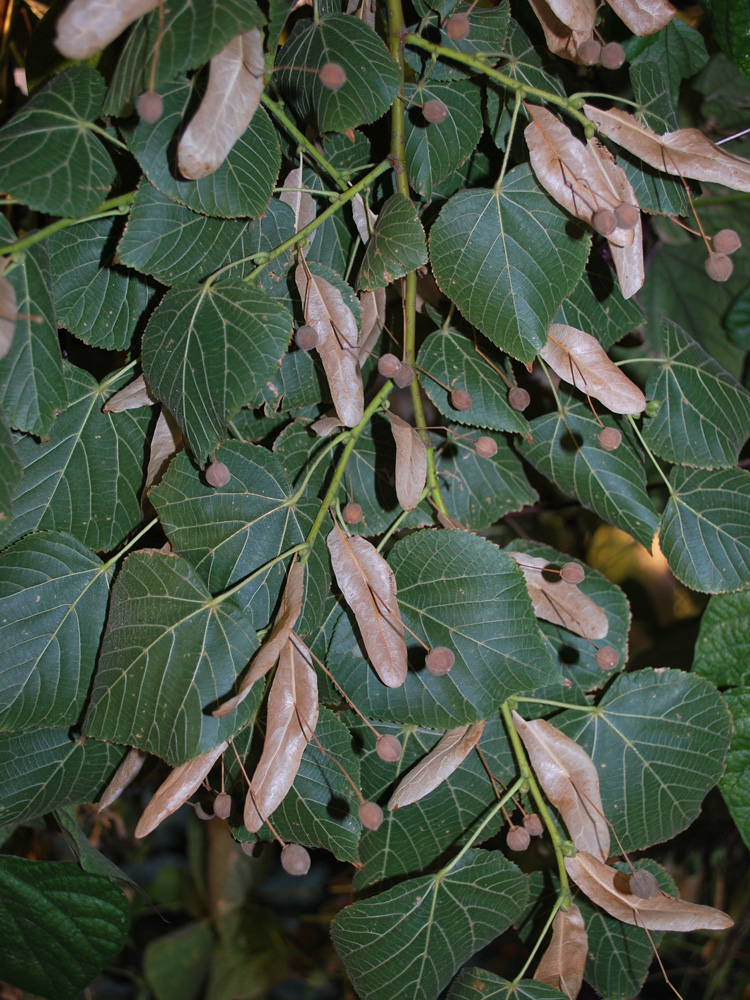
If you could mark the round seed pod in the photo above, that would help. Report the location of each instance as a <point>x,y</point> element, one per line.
<point>434,111</point>
<point>457,26</point>
<point>222,805</point>
<point>485,447</point>
<point>719,267</point>
<point>461,400</point>
<point>727,241</point>
<point>627,215</point>
<point>643,884</point>
<point>610,438</point>
<point>253,848</point>
<point>332,75</point>
<point>589,51</point>
<point>518,838</point>
<point>201,813</point>
<point>439,660</point>
<point>306,338</point>
<point>217,475</point>
<point>612,55</point>
<point>604,222</point>
<point>607,658</point>
<point>295,860</point>
<point>518,398</point>
<point>388,365</point>
<point>388,748</point>
<point>404,376</point>
<point>353,513</point>
<point>150,107</point>
<point>533,825</point>
<point>573,573</point>
<point>370,815</point>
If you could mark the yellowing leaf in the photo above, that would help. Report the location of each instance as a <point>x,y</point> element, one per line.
<point>607,887</point>
<point>130,397</point>
<point>444,758</point>
<point>579,358</point>
<point>570,781</point>
<point>301,202</point>
<point>177,789</point>
<point>292,718</point>
<point>369,588</point>
<point>7,315</point>
<point>411,462</point>
<point>128,770</point>
<point>562,964</point>
<point>87,26</point>
<point>235,85</point>
<point>164,444</point>
<point>559,602</point>
<point>643,17</point>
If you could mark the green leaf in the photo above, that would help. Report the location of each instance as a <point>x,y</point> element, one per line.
<point>678,48</point>
<point>722,651</point>
<point>299,382</point>
<point>658,739</point>
<point>596,305</point>
<point>60,926</point>
<point>49,145</point>
<point>730,20</point>
<point>652,93</point>
<point>88,857</point>
<point>433,923</point>
<point>704,417</point>
<point>565,448</point>
<point>129,77</point>
<point>99,301</point>
<point>396,246</point>
<point>208,351</point>
<point>242,185</point>
<point>448,357</point>
<point>167,659</point>
<point>44,769</point>
<point>654,192</point>
<point>735,783</point>
<point>85,447</point>
<point>460,591</point>
<point>705,531</point>
<point>176,965</point>
<point>725,90</point>
<point>508,260</point>
<point>342,39</point>
<point>737,321</point>
<point>53,598</point>
<point>488,31</point>
<point>10,470</point>
<point>478,984</point>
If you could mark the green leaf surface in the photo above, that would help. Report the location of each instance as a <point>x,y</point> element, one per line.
<point>351,43</point>
<point>86,478</point>
<point>735,783</point>
<point>129,77</point>
<point>60,926</point>
<point>176,965</point>
<point>88,857</point>
<point>596,305</point>
<point>53,129</point>
<point>652,93</point>
<point>434,924</point>
<point>488,33</point>
<point>725,90</point>
<point>479,984</point>
<point>704,417</point>
<point>169,658</point>
<point>44,769</point>
<point>654,192</point>
<point>658,739</point>
<point>396,246</point>
<point>730,20</point>
<point>722,650</point>
<point>299,382</point>
<point>10,470</point>
<point>53,598</point>
<point>705,529</point>
<point>508,260</point>
<point>678,48</point>
<point>737,320</point>
<point>207,352</point>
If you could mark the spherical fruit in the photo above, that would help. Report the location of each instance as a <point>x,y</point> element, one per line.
<point>253,848</point>
<point>610,438</point>
<point>518,838</point>
<point>370,815</point>
<point>485,447</point>
<point>719,267</point>
<point>643,884</point>
<point>533,825</point>
<point>612,55</point>
<point>404,376</point>
<point>388,365</point>
<point>353,513</point>
<point>150,107</point>
<point>388,748</point>
<point>457,26</point>
<point>573,573</point>
<point>627,215</point>
<point>201,813</point>
<point>222,805</point>
<point>306,338</point>
<point>295,860</point>
<point>217,475</point>
<point>332,75</point>
<point>518,398</point>
<point>434,111</point>
<point>439,660</point>
<point>589,52</point>
<point>604,222</point>
<point>607,658</point>
<point>461,400</point>
<point>727,241</point>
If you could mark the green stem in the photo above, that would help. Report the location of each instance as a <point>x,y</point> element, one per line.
<point>394,527</point>
<point>396,29</point>
<point>330,445</point>
<point>114,206</point>
<point>477,833</point>
<point>557,704</point>
<point>128,545</point>
<point>109,379</point>
<point>235,588</point>
<point>633,361</point>
<point>508,142</point>
<point>105,135</point>
<point>650,454</point>
<point>535,949</point>
<point>301,139</point>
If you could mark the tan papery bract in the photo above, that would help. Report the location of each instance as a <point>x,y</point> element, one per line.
<point>684,153</point>
<point>275,641</point>
<point>601,884</point>
<point>451,523</point>
<point>130,397</point>
<point>336,327</point>
<point>165,443</point>
<point>578,358</point>
<point>559,602</point>
<point>87,26</point>
<point>643,17</point>
<point>7,315</point>
<point>579,15</point>
<point>127,772</point>
<point>373,320</point>
<point>561,38</point>
<point>411,462</point>
<point>177,789</point>
<point>301,203</point>
<point>235,85</point>
<point>325,426</point>
<point>369,588</point>
<point>629,264</point>
<point>439,764</point>
<point>563,963</point>
<point>364,217</point>
<point>570,781</point>
<point>291,720</point>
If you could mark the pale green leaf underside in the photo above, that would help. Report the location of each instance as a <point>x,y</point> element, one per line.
<point>396,246</point>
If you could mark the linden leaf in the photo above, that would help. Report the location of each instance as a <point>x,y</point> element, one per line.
<point>411,462</point>
<point>559,602</point>
<point>87,26</point>
<point>563,963</point>
<point>177,789</point>
<point>444,758</point>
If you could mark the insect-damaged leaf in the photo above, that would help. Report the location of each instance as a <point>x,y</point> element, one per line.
<point>563,963</point>
<point>570,781</point>
<point>86,26</point>
<point>336,327</point>
<point>292,718</point>
<point>411,462</point>
<point>579,358</point>
<point>126,773</point>
<point>438,765</point>
<point>235,85</point>
<point>644,17</point>
<point>608,888</point>
<point>559,602</point>
<point>177,789</point>
<point>369,587</point>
